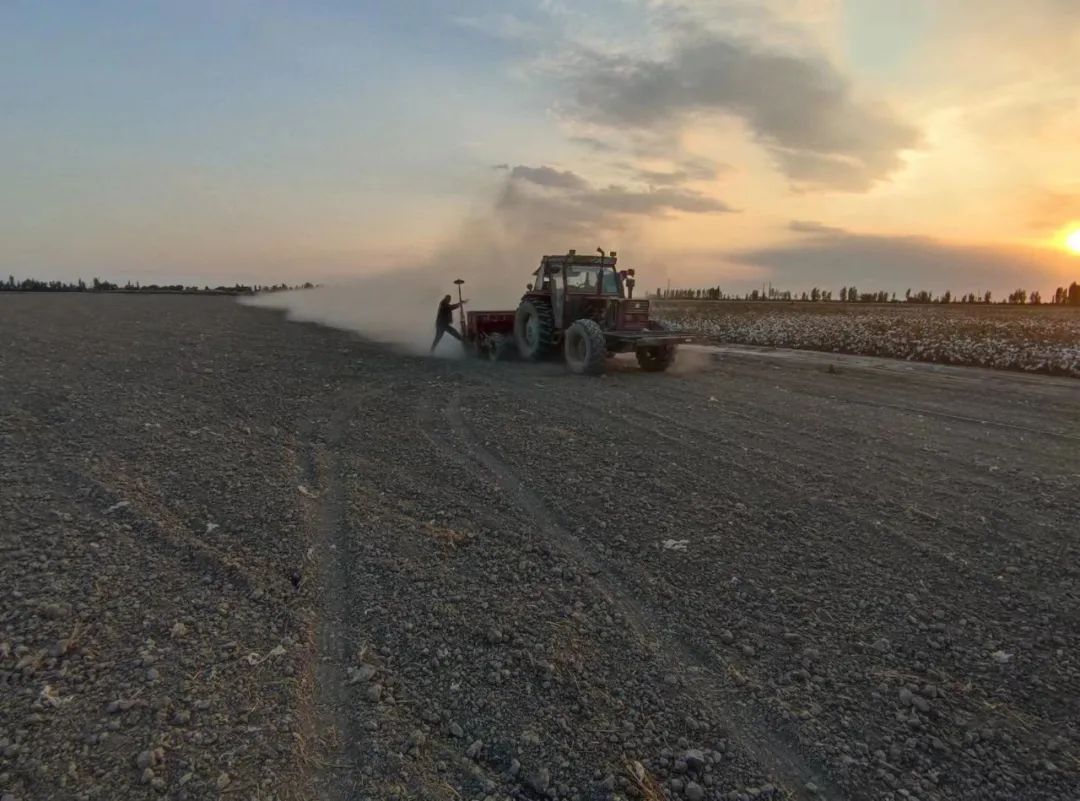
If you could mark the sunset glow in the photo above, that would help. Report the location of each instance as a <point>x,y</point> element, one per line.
<point>1072,241</point>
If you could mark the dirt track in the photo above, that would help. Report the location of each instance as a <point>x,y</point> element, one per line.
<point>782,575</point>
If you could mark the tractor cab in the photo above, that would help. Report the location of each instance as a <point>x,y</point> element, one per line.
<point>579,287</point>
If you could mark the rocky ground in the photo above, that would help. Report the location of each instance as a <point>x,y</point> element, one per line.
<point>255,559</point>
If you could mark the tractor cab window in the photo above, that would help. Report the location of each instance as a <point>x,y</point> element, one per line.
<point>583,279</point>
<point>543,280</point>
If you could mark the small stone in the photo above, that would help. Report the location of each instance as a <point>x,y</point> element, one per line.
<point>223,781</point>
<point>694,792</point>
<point>474,749</point>
<point>363,673</point>
<point>811,788</point>
<point>54,611</point>
<point>695,759</point>
<point>727,637</point>
<point>144,760</point>
<point>147,776</point>
<point>374,692</point>
<point>152,674</point>
<point>456,730</point>
<point>748,650</point>
<point>906,697</point>
<point>539,780</point>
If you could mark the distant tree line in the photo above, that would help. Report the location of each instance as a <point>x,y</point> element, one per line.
<point>97,285</point>
<point>1063,296</point>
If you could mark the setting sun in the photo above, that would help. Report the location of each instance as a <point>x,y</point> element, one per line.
<point>1072,240</point>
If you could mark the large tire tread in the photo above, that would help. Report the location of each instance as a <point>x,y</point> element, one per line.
<point>545,345</point>
<point>593,360</point>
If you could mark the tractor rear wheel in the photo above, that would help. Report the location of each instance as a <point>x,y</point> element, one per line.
<point>656,360</point>
<point>534,330</point>
<point>585,348</point>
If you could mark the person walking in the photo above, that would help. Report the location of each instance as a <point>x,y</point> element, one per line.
<point>444,321</point>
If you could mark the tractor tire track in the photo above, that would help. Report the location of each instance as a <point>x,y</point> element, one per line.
<point>697,662</point>
<point>338,735</point>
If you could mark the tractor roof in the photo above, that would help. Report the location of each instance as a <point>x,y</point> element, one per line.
<point>591,261</point>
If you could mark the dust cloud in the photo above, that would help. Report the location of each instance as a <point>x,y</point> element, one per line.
<point>397,307</point>
<point>694,359</point>
<point>494,253</point>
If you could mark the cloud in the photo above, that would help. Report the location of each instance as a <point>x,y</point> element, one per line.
<point>662,178</point>
<point>593,143</point>
<point>797,105</point>
<point>895,263</point>
<point>691,169</point>
<point>547,176</point>
<point>813,227</point>
<point>627,201</point>
<point>567,195</point>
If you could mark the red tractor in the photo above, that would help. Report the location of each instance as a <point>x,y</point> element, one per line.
<point>576,306</point>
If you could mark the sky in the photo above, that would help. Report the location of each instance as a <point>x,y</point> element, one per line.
<point>889,144</point>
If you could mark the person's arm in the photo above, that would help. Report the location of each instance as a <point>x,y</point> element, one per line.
<point>457,305</point>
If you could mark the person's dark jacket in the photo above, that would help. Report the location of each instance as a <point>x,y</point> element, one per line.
<point>446,314</point>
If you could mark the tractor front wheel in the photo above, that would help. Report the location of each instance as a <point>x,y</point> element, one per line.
<point>585,348</point>
<point>534,330</point>
<point>656,360</point>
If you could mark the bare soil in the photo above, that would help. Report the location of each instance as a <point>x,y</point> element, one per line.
<point>269,560</point>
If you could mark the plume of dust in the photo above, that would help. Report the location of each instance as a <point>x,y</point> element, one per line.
<point>694,359</point>
<point>494,254</point>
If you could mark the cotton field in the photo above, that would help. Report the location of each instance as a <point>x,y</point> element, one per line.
<point>1037,339</point>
